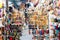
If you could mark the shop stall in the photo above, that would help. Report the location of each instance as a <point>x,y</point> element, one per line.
<point>54,18</point>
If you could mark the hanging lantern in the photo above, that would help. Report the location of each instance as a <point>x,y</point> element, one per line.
<point>35,2</point>
<point>1,5</point>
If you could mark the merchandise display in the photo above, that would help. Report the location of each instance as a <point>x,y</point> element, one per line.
<point>54,18</point>
<point>30,20</point>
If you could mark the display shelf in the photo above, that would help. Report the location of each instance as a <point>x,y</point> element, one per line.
<point>16,24</point>
<point>54,22</point>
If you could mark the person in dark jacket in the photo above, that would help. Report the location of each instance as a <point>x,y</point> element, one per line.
<point>10,9</point>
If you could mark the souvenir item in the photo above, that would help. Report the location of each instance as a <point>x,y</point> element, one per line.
<point>35,2</point>
<point>59,36</point>
<point>11,38</point>
<point>37,32</point>
<point>42,32</point>
<point>0,32</point>
<point>1,37</point>
<point>0,13</point>
<point>47,31</point>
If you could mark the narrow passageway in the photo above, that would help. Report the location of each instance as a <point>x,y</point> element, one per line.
<point>25,34</point>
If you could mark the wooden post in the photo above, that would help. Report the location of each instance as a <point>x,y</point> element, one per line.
<point>6,5</point>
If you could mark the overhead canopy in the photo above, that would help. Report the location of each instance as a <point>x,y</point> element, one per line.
<point>17,2</point>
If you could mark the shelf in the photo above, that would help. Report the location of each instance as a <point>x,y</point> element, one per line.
<point>16,24</point>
